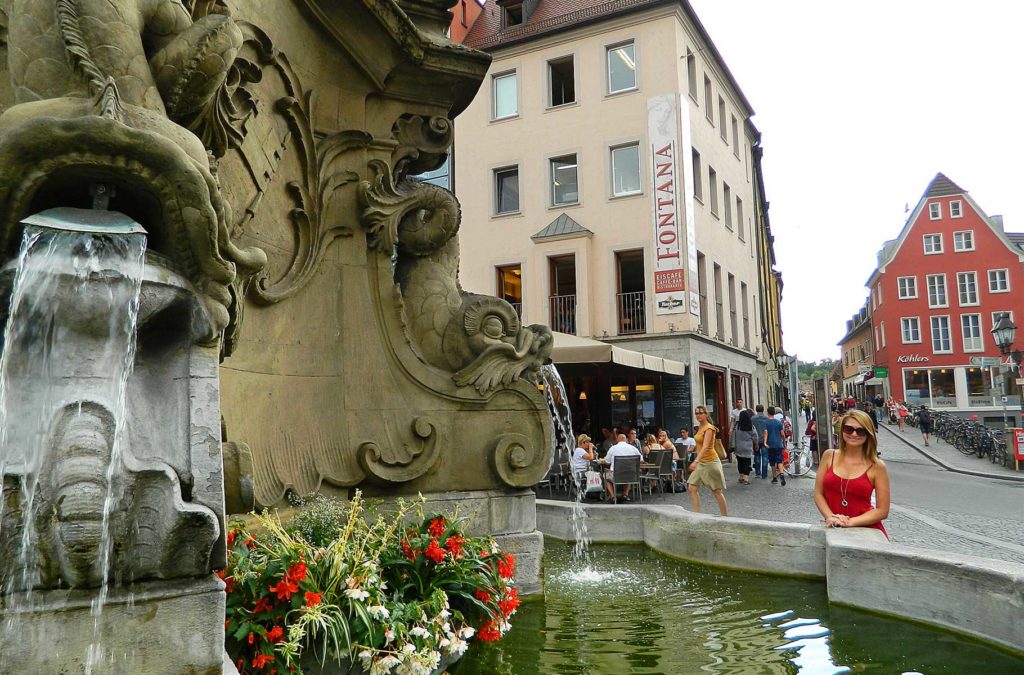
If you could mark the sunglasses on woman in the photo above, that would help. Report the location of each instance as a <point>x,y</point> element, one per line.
<point>854,431</point>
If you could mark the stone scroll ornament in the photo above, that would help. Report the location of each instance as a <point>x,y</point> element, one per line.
<point>143,89</point>
<point>479,338</point>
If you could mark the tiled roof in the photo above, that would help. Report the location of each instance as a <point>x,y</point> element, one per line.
<point>559,227</point>
<point>943,187</point>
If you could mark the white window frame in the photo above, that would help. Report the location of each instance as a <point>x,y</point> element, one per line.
<point>935,211</point>
<point>575,81</point>
<point>928,289</point>
<point>878,339</point>
<point>949,335</point>
<point>957,248</point>
<point>1006,278</point>
<point>494,94</point>
<point>901,287</point>
<point>497,196</point>
<point>611,171</point>
<point>914,324</point>
<point>979,346</point>
<point>935,237</point>
<point>608,67</point>
<point>713,190</point>
<point>956,209</point>
<point>960,292</point>
<point>878,290</point>
<point>882,326</point>
<point>996,315</point>
<point>727,205</point>
<point>551,180</point>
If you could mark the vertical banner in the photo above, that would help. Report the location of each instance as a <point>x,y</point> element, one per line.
<point>685,160</point>
<point>669,268</point>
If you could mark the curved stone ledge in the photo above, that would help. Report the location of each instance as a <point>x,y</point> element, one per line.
<point>977,596</point>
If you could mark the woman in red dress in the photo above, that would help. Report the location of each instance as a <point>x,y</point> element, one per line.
<point>848,476</point>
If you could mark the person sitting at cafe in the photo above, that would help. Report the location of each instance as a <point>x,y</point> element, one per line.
<point>650,443</point>
<point>620,449</point>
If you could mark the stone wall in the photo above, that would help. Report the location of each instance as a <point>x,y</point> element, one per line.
<point>977,596</point>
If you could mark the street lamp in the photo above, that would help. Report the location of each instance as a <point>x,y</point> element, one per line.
<point>1004,333</point>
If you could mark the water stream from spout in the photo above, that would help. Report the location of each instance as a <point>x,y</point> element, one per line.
<point>68,351</point>
<point>564,442</point>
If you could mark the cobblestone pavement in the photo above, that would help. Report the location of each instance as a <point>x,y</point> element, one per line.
<point>932,507</point>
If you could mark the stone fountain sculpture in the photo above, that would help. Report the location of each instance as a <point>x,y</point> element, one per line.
<point>300,311</point>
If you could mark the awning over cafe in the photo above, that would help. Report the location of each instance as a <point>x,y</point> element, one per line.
<point>575,349</point>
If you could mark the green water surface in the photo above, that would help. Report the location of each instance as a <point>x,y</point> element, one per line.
<point>641,612</point>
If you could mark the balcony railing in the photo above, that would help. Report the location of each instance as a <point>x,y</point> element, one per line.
<point>518,306</point>
<point>563,313</point>
<point>632,314</point>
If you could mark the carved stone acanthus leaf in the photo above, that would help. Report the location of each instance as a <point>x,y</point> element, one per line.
<point>400,460</point>
<point>423,144</point>
<point>321,178</point>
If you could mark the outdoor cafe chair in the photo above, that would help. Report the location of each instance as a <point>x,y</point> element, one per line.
<point>650,476</point>
<point>627,472</point>
<point>665,471</point>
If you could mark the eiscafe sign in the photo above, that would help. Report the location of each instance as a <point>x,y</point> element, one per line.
<point>912,358</point>
<point>669,267</point>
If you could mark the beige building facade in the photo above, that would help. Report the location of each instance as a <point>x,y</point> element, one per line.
<point>608,188</point>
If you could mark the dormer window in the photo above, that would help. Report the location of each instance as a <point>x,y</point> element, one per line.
<point>513,15</point>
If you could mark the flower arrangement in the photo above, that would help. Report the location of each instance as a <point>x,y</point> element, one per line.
<point>340,586</point>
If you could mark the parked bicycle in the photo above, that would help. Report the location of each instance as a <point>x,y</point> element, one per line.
<point>967,436</point>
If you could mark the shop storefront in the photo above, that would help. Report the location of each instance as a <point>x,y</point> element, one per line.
<point>963,389</point>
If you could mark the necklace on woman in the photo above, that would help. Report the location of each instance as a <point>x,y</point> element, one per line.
<point>844,483</point>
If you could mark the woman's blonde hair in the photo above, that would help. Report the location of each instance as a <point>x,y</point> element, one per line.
<point>650,439</point>
<point>581,439</point>
<point>870,442</point>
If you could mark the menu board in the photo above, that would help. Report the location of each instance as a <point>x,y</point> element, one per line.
<point>677,408</point>
<point>823,414</point>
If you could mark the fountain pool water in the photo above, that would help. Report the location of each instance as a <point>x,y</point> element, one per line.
<point>635,611</point>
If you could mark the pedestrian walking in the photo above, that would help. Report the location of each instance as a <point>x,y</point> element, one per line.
<point>773,440</point>
<point>761,450</point>
<point>901,415</point>
<point>812,443</point>
<point>707,469</point>
<point>842,492</point>
<point>924,422</point>
<point>745,439</point>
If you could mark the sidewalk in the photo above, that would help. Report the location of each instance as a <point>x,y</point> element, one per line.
<point>949,458</point>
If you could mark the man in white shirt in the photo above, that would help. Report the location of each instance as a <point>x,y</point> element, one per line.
<point>621,449</point>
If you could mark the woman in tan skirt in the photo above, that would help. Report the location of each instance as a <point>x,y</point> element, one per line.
<point>707,469</point>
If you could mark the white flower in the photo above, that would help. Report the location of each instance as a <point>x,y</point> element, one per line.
<point>447,627</point>
<point>409,648</point>
<point>384,665</point>
<point>379,612</point>
<point>444,643</point>
<point>419,631</point>
<point>357,594</point>
<point>444,614</point>
<point>366,655</point>
<point>504,627</point>
<point>458,647</point>
<point>389,635</point>
<point>494,547</point>
<point>466,632</point>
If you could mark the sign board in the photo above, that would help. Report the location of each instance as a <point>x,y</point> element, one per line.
<point>670,256</point>
<point>677,406</point>
<point>1018,444</point>
<point>881,371</point>
<point>1020,381</point>
<point>864,370</point>
<point>986,361</point>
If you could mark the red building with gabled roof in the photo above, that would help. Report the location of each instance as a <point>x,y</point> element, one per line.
<point>938,291</point>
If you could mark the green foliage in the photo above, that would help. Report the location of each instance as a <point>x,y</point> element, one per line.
<point>813,370</point>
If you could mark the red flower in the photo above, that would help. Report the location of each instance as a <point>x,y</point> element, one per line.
<point>509,604</point>
<point>437,527</point>
<point>261,660</point>
<point>313,599</point>
<point>507,566</point>
<point>297,572</point>
<point>262,605</point>
<point>231,538</point>
<point>284,589</point>
<point>250,542</point>
<point>482,595</point>
<point>454,546</point>
<point>227,623</point>
<point>229,582</point>
<point>252,638</point>
<point>275,634</point>
<point>488,631</point>
<point>434,552</point>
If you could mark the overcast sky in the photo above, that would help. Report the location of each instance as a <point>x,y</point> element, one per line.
<point>860,105</point>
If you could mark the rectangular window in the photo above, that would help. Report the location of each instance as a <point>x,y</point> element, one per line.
<point>506,190</point>
<point>564,184</point>
<point>562,81</point>
<point>735,137</point>
<point>963,241</point>
<point>746,315</point>
<point>878,291</point>
<point>506,96</point>
<point>907,287</point>
<point>621,68</point>
<point>462,12</point>
<point>510,286</point>
<point>955,209</point>
<point>878,338</point>
<point>709,112</point>
<point>932,244</point>
<point>935,211</point>
<point>911,329</point>
<point>739,219</point>
<point>727,204</point>
<point>626,170</point>
<point>971,326</point>
<point>722,130</point>
<point>999,281</point>
<point>719,303</point>
<point>937,290</point>
<point>691,74</point>
<point>882,327</point>
<point>702,291</point>
<point>940,335</point>
<point>967,285</point>
<point>713,190</point>
<point>734,334</point>
<point>996,316</point>
<point>513,15</point>
<point>698,179</point>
